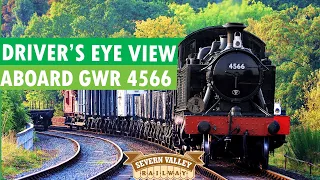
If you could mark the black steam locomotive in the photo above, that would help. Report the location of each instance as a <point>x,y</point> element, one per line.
<point>223,105</point>
<point>225,96</point>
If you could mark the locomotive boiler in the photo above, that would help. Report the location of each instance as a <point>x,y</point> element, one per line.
<point>225,96</point>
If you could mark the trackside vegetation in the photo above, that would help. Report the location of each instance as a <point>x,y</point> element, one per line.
<point>17,160</point>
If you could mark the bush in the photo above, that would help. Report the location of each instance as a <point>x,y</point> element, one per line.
<point>304,144</point>
<point>14,115</point>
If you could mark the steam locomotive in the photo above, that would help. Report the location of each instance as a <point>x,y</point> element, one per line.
<point>223,105</point>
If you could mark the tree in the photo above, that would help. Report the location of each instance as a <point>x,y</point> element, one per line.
<point>309,114</point>
<point>39,27</point>
<point>93,18</point>
<point>18,30</point>
<point>14,115</point>
<point>292,38</point>
<point>23,10</point>
<point>121,34</point>
<point>8,18</point>
<point>93,24</point>
<point>40,6</point>
<point>160,27</point>
<point>285,4</point>
<point>218,14</point>
<point>123,13</point>
<point>197,4</point>
<point>56,24</point>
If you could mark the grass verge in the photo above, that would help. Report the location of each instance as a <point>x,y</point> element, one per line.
<point>278,160</point>
<point>17,160</point>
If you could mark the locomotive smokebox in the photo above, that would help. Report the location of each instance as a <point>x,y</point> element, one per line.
<point>232,28</point>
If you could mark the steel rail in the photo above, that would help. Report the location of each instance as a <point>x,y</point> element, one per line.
<point>274,175</point>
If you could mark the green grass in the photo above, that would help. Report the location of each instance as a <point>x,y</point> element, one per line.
<point>303,144</point>
<point>17,160</point>
<point>35,137</point>
<point>277,159</point>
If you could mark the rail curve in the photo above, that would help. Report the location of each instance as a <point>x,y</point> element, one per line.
<point>111,169</point>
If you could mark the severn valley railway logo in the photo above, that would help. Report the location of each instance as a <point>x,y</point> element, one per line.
<point>163,165</point>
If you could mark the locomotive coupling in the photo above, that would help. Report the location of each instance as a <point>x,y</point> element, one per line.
<point>204,127</point>
<point>273,127</point>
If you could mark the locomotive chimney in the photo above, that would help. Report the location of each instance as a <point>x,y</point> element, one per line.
<point>233,28</point>
<point>223,42</point>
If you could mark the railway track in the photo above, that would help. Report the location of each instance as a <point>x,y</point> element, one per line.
<point>211,174</point>
<point>128,143</point>
<point>82,165</point>
<point>234,171</point>
<point>108,171</point>
<point>275,175</point>
<point>202,172</point>
<point>57,167</point>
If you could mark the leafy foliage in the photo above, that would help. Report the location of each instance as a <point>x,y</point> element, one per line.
<point>121,34</point>
<point>285,4</point>
<point>310,113</point>
<point>19,12</point>
<point>98,18</point>
<point>218,14</point>
<point>18,30</point>
<point>8,18</point>
<point>134,11</point>
<point>196,4</point>
<point>159,27</point>
<point>14,115</point>
<point>40,6</point>
<point>23,10</point>
<point>292,38</point>
<point>39,27</point>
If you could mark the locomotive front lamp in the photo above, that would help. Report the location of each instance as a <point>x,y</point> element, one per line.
<point>277,109</point>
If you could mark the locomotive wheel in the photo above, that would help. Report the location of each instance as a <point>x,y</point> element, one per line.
<point>206,149</point>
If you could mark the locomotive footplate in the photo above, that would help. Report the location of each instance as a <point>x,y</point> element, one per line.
<point>256,126</point>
